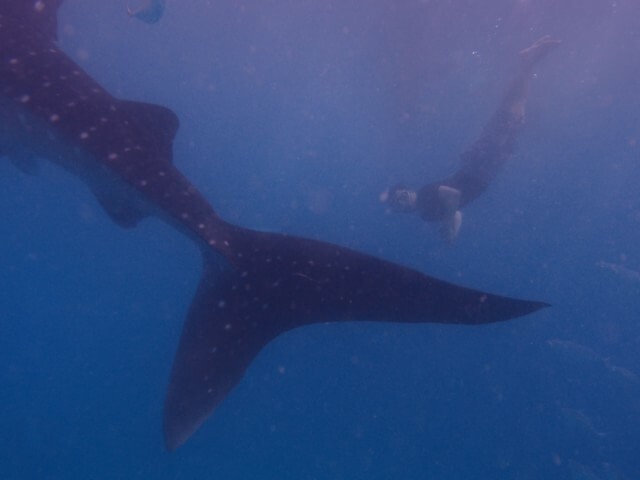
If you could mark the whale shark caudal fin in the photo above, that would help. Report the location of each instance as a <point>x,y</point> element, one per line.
<point>280,282</point>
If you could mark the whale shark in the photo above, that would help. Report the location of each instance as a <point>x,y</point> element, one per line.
<point>255,285</point>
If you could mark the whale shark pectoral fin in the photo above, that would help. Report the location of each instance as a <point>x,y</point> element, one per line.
<point>280,282</point>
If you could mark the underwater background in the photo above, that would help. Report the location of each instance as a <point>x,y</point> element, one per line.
<point>295,116</point>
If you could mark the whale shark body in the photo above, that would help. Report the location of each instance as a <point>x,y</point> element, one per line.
<point>254,285</point>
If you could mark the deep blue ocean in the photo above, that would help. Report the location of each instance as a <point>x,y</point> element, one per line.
<point>294,116</point>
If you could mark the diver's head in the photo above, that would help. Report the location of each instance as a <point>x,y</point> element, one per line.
<point>400,199</point>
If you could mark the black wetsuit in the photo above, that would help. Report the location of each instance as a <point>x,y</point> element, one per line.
<point>480,164</point>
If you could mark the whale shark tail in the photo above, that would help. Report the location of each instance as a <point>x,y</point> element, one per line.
<point>256,285</point>
<point>279,282</point>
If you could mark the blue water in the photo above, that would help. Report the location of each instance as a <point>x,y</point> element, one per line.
<point>294,116</point>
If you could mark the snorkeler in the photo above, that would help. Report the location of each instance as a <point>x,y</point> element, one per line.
<point>441,201</point>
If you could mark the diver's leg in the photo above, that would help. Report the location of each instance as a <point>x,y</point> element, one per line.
<point>538,50</point>
<point>515,97</point>
<point>485,157</point>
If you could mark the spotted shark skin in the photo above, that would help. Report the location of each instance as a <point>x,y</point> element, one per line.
<point>254,285</point>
